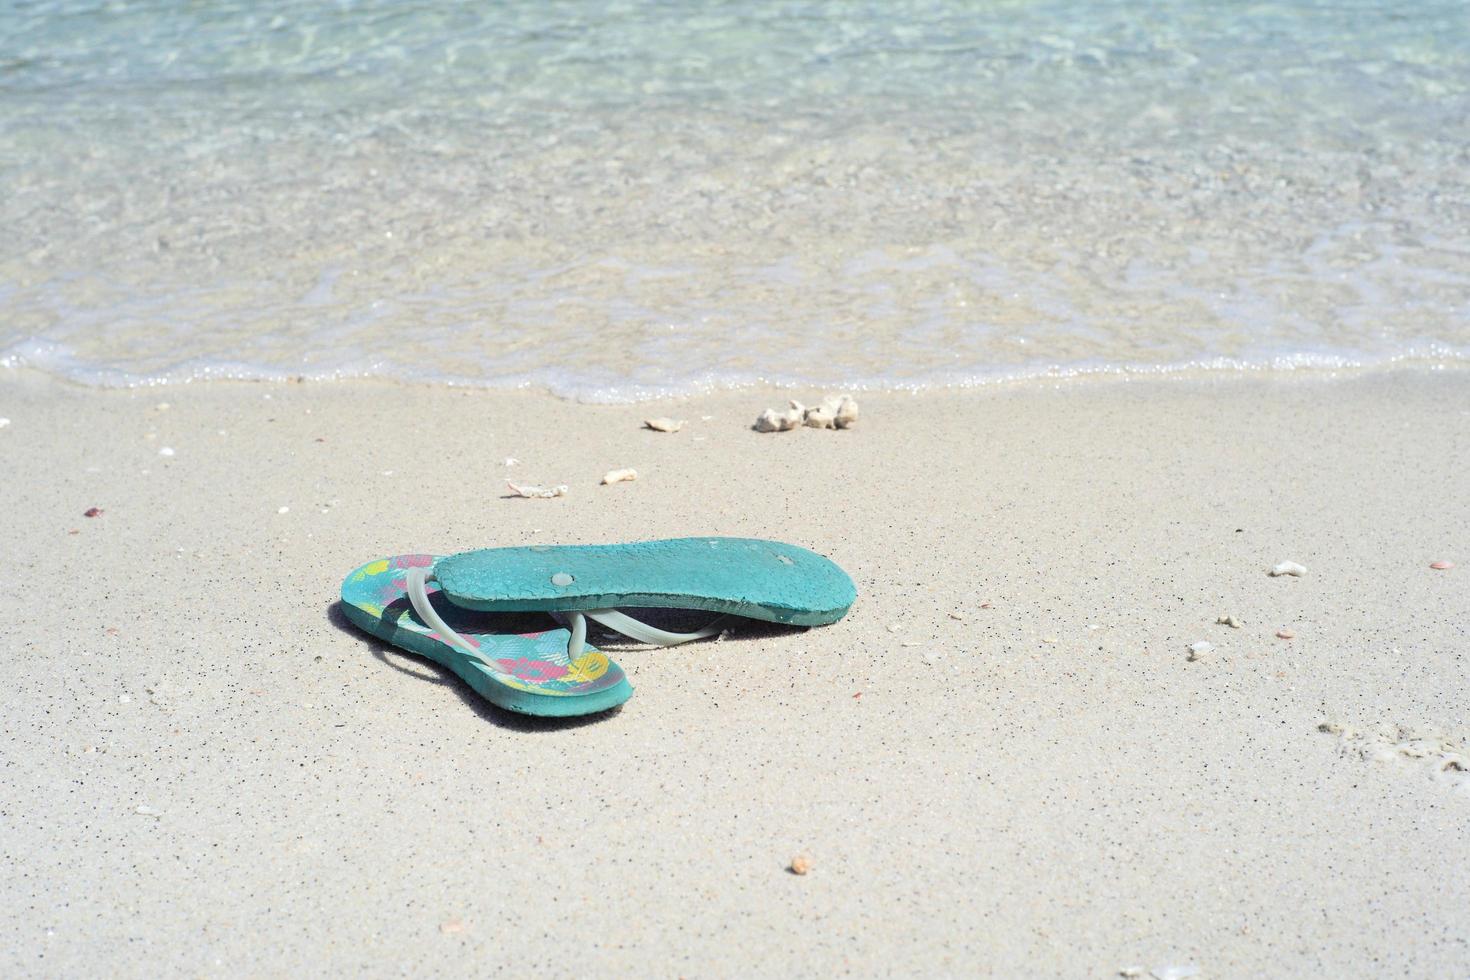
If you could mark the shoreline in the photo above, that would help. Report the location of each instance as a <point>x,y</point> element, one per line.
<point>202,754</point>
<point>1225,371</point>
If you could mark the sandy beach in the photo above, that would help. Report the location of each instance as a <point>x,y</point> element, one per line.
<point>1002,762</point>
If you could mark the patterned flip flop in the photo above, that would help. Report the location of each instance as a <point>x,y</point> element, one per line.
<point>554,672</point>
<point>526,672</point>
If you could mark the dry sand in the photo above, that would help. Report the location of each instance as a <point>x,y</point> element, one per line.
<point>206,771</point>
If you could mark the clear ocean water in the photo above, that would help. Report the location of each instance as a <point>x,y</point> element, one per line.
<point>617,200</point>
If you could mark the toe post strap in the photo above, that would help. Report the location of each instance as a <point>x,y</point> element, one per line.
<point>418,596</point>
<point>632,628</point>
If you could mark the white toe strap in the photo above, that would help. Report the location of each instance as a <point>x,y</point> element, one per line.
<point>629,627</point>
<point>418,595</point>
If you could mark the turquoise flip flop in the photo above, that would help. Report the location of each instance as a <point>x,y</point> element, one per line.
<point>554,672</point>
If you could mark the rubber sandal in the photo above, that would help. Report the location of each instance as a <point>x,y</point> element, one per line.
<point>523,671</point>
<point>767,580</point>
<point>554,672</point>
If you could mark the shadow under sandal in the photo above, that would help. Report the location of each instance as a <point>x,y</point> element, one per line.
<point>435,607</point>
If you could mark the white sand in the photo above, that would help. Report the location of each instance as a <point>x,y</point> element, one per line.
<point>1044,787</point>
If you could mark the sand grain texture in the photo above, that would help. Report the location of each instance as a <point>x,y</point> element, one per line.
<point>206,769</point>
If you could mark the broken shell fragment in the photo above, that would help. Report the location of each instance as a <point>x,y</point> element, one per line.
<point>1288,568</point>
<point>1286,634</point>
<point>1230,621</point>
<point>1174,972</point>
<point>1440,566</point>
<point>619,476</point>
<point>1200,650</point>
<point>531,490</point>
<point>800,865</point>
<point>663,424</point>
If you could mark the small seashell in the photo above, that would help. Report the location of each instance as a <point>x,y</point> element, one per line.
<point>283,510</point>
<point>1440,566</point>
<point>1174,972</point>
<point>93,512</point>
<point>619,476</point>
<point>531,490</point>
<point>4,423</point>
<point>510,461</point>
<point>663,424</point>
<point>1230,621</point>
<point>1288,568</point>
<point>166,451</point>
<point>1200,650</point>
<point>451,927</point>
<point>957,615</point>
<point>148,811</point>
<point>1286,634</point>
<point>800,865</point>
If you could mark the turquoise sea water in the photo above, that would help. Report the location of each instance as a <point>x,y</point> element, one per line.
<point>616,200</point>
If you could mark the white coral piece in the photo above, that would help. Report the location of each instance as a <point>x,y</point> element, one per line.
<point>835,412</point>
<point>533,491</point>
<point>773,421</point>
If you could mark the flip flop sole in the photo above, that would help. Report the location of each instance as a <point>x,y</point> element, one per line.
<point>526,672</point>
<point>768,580</point>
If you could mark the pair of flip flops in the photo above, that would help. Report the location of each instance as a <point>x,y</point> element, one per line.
<point>467,611</point>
